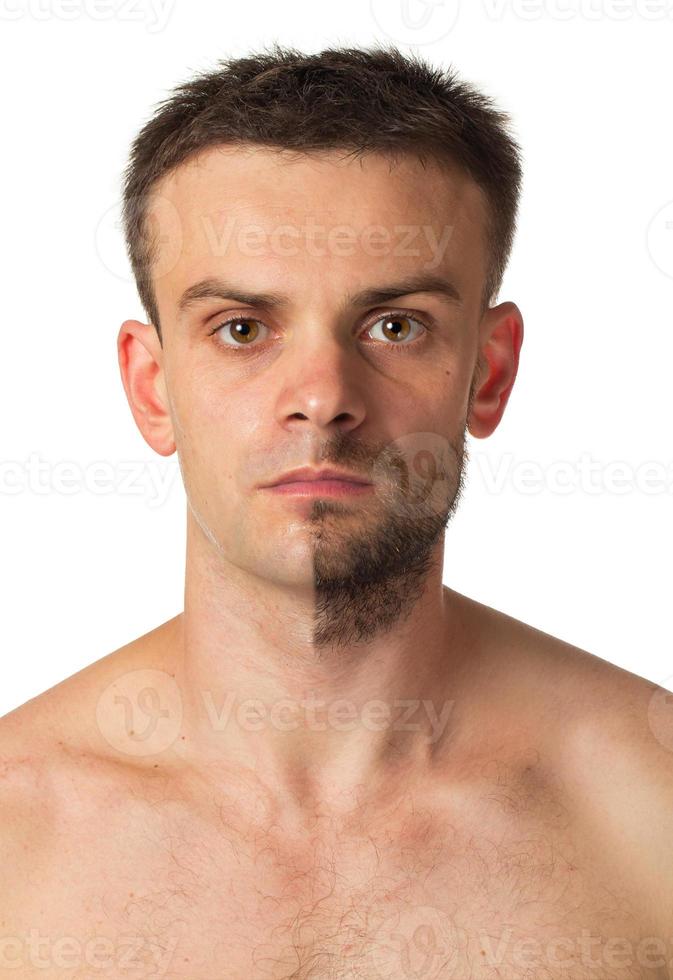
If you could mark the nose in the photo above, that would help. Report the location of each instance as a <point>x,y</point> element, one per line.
<point>323,388</point>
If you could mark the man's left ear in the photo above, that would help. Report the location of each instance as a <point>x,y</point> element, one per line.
<point>500,340</point>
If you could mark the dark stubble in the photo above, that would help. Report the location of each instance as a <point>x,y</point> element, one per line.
<point>370,568</point>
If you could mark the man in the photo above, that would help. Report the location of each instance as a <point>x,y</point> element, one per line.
<point>331,764</point>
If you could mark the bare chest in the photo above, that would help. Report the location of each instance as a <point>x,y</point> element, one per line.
<point>387,909</point>
<point>516,908</point>
<point>162,893</point>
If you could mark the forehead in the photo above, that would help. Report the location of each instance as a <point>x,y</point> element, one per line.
<point>250,208</point>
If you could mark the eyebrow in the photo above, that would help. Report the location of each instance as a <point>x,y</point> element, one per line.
<point>215,288</point>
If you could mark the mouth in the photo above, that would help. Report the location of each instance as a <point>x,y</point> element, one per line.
<point>326,487</point>
<point>328,477</point>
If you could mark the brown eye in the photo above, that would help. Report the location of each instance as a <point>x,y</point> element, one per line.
<point>238,332</point>
<point>396,327</point>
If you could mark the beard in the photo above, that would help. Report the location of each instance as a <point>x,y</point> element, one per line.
<point>371,561</point>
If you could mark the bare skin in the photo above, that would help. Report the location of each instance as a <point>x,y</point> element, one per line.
<point>330,764</point>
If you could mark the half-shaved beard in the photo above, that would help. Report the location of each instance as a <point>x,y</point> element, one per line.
<point>368,580</point>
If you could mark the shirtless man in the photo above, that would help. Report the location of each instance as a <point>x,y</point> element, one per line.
<point>330,764</point>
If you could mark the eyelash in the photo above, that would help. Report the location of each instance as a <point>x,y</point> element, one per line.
<point>398,348</point>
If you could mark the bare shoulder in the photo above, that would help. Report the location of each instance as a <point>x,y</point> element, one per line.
<point>576,686</point>
<point>64,715</point>
<point>608,735</point>
<point>55,761</point>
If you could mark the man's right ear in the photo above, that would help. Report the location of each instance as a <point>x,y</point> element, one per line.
<point>141,365</point>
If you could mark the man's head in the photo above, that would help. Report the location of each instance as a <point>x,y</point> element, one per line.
<point>352,212</point>
<point>350,99</point>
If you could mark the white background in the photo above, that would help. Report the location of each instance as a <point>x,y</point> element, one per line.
<point>588,85</point>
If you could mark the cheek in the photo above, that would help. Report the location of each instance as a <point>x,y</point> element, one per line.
<point>201,399</point>
<point>204,434</point>
<point>216,423</point>
<point>439,399</point>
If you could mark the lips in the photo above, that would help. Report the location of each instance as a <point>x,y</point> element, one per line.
<point>309,475</point>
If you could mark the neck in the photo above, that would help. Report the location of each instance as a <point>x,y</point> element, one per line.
<point>318,727</point>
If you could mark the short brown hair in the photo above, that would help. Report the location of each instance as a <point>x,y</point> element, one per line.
<point>359,100</point>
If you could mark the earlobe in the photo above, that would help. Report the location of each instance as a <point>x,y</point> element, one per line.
<point>500,340</point>
<point>140,358</point>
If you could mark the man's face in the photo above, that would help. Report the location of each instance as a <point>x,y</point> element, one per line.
<point>326,377</point>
